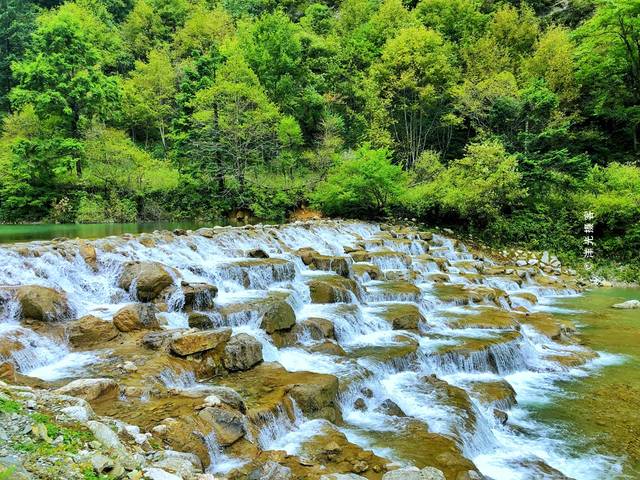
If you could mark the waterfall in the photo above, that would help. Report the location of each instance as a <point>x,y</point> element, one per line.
<point>374,363</point>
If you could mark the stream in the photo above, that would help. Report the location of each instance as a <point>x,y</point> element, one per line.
<point>444,355</point>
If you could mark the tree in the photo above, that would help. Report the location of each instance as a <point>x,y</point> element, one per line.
<point>143,29</point>
<point>237,125</point>
<point>149,94</point>
<point>17,18</point>
<point>362,183</point>
<point>457,20</point>
<point>62,74</point>
<point>414,77</point>
<point>609,64</point>
<point>203,30</point>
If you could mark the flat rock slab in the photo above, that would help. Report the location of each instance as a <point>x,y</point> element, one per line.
<point>195,342</point>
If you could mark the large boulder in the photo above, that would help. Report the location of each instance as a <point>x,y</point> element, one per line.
<point>196,342</point>
<point>91,388</point>
<point>279,316</point>
<point>228,425</point>
<point>146,279</point>
<point>43,303</point>
<point>138,316</point>
<point>88,253</point>
<point>89,331</point>
<point>242,352</point>
<point>317,398</point>
<point>403,316</point>
<point>178,463</point>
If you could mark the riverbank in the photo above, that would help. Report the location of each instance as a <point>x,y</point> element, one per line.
<point>311,348</point>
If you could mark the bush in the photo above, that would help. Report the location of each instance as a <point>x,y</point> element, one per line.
<point>363,183</point>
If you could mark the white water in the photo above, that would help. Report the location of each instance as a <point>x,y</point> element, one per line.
<point>499,451</point>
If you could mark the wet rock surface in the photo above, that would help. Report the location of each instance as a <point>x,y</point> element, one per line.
<point>277,352</point>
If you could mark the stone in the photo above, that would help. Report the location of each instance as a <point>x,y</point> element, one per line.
<point>257,253</point>
<point>332,290</point>
<point>279,316</point>
<point>403,316</point>
<point>138,316</point>
<point>200,320</point>
<point>414,473</point>
<point>501,416</point>
<point>147,278</point>
<point>317,399</point>
<point>318,328</point>
<point>391,408</point>
<point>89,331</point>
<point>199,296</point>
<point>342,476</point>
<point>228,396</point>
<point>88,254</point>
<point>160,474</point>
<point>242,352</point>
<point>628,305</point>
<point>7,372</point>
<point>271,470</point>
<point>107,437</point>
<point>228,425</point>
<point>43,303</point>
<point>91,388</point>
<point>155,340</point>
<point>195,342</point>
<point>328,347</point>
<point>179,463</point>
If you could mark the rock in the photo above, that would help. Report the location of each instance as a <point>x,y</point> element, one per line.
<point>101,463</point>
<point>147,278</point>
<point>342,476</point>
<point>279,316</point>
<point>179,463</point>
<point>403,316</point>
<point>155,340</point>
<point>328,347</point>
<point>317,399</point>
<point>199,296</point>
<point>195,342</point>
<point>228,425</point>
<point>88,254</point>
<point>200,321</point>
<point>501,416</point>
<point>228,396</point>
<point>138,316</point>
<point>43,303</point>
<point>106,437</point>
<point>90,331</point>
<point>271,470</point>
<point>242,352</point>
<point>318,328</point>
<point>257,253</point>
<point>7,372</point>
<point>91,388</point>
<point>159,474</point>
<point>332,290</point>
<point>629,304</point>
<point>389,407</point>
<point>360,404</point>
<point>414,473</point>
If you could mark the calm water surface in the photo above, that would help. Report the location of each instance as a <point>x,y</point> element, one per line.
<point>45,231</point>
<point>601,412</point>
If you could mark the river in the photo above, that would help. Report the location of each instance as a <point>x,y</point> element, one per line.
<point>401,309</point>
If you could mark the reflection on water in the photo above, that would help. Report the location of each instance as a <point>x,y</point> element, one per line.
<point>48,231</point>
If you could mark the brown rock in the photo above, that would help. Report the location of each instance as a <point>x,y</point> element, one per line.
<point>43,303</point>
<point>279,316</point>
<point>195,342</point>
<point>149,279</point>
<point>139,316</point>
<point>90,330</point>
<point>88,253</point>
<point>227,424</point>
<point>317,399</point>
<point>199,296</point>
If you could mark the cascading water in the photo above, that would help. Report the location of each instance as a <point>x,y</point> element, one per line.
<point>381,364</point>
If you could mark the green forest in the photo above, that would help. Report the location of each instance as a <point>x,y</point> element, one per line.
<point>507,120</point>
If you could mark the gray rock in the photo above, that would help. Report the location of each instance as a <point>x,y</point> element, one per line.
<point>271,471</point>
<point>106,436</point>
<point>242,352</point>
<point>178,463</point>
<point>628,305</point>
<point>160,474</point>
<point>414,473</point>
<point>342,476</point>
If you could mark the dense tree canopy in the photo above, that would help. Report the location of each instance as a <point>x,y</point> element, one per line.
<point>506,118</point>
